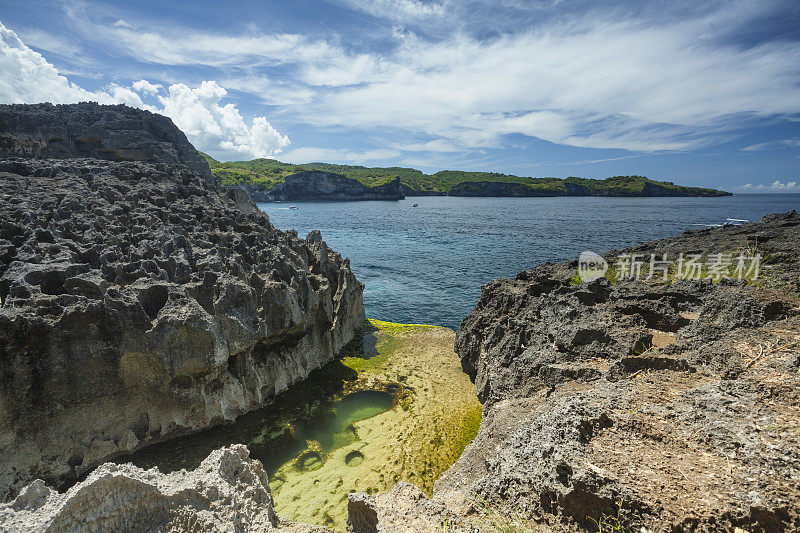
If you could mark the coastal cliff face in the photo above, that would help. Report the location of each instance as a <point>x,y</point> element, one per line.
<point>670,406</point>
<point>139,301</point>
<point>110,132</point>
<point>319,185</point>
<point>501,189</point>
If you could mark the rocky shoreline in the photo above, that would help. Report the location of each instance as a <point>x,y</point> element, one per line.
<point>140,302</point>
<point>641,405</point>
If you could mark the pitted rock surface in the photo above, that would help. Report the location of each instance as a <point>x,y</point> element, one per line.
<point>111,132</point>
<point>669,406</point>
<point>138,302</point>
<point>228,492</point>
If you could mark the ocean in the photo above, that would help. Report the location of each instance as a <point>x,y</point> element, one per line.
<point>426,264</point>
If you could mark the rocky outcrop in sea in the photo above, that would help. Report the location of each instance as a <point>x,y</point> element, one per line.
<point>321,185</point>
<point>140,301</point>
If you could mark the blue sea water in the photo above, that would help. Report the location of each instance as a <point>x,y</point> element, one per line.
<point>427,264</point>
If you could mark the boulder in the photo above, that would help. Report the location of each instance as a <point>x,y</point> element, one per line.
<point>228,492</point>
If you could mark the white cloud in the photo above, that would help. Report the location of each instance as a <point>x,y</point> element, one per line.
<point>53,44</point>
<point>312,155</point>
<point>221,129</point>
<point>398,9</point>
<point>775,186</point>
<point>175,45</point>
<point>436,145</point>
<point>145,87</point>
<point>594,84</point>
<point>28,77</point>
<point>210,126</point>
<point>596,79</point>
<point>786,143</point>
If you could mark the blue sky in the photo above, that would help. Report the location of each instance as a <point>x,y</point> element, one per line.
<point>700,93</point>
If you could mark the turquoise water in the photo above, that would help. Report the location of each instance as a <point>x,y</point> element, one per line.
<point>314,410</point>
<point>427,264</point>
<point>336,432</point>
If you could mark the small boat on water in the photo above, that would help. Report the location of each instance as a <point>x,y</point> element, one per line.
<point>293,207</point>
<point>415,205</point>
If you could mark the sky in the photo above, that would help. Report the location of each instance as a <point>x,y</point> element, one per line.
<point>699,93</point>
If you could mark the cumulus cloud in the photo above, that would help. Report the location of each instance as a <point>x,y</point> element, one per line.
<point>220,128</point>
<point>775,186</point>
<point>632,79</point>
<point>145,87</point>
<point>28,77</point>
<point>210,125</point>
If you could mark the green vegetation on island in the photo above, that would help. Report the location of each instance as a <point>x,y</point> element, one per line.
<point>270,172</point>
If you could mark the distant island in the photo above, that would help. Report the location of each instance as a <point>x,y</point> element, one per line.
<point>270,180</point>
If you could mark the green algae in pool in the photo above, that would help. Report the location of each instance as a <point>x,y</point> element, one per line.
<point>302,424</point>
<point>338,431</point>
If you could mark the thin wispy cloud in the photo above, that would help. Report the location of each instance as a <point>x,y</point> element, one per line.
<point>786,143</point>
<point>313,154</point>
<point>587,81</point>
<point>402,10</point>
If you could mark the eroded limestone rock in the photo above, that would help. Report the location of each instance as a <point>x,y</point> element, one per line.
<point>139,302</point>
<point>669,407</point>
<point>111,132</point>
<point>228,492</point>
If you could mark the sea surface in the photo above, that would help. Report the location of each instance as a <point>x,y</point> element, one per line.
<point>427,264</point>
